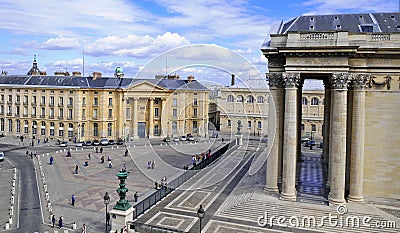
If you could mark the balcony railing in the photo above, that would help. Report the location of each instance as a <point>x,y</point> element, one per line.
<point>25,103</point>
<point>25,115</point>
<point>33,115</point>
<point>17,102</point>
<point>9,114</point>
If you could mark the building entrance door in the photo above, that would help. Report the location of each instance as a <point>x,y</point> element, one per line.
<point>142,129</point>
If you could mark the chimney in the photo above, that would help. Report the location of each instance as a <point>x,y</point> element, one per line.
<point>96,75</point>
<point>76,73</point>
<point>59,73</point>
<point>190,78</point>
<point>233,80</point>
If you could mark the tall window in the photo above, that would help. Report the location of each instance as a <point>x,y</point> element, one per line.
<point>34,123</point>
<point>71,101</point>
<point>25,99</point>
<point>156,112</point>
<point>61,130</point>
<point>195,101</point>
<point>195,112</point>
<point>26,127</point>
<point>174,127</point>
<point>174,112</point>
<point>52,100</point>
<point>229,123</point>
<point>34,99</point>
<point>260,99</point>
<point>83,130</point>
<point>2,124</point>
<point>61,113</point>
<point>110,113</point>
<point>194,126</point>
<point>175,102</point>
<point>239,99</point>
<point>156,130</point>
<point>109,101</point>
<point>10,125</point>
<point>83,113</point>
<point>229,98</point>
<point>43,128</point>
<point>128,113</point>
<point>259,125</point>
<point>314,101</point>
<point>95,129</point>
<point>70,113</point>
<point>96,101</point>
<point>313,128</point>
<point>43,112</point>
<point>18,123</point>
<point>52,128</point>
<point>70,130</point>
<point>109,129</point>
<point>84,101</point>
<point>304,101</point>
<point>95,113</point>
<point>43,100</point>
<point>249,124</point>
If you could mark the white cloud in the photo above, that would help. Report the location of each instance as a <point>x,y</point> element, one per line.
<point>61,43</point>
<point>135,46</point>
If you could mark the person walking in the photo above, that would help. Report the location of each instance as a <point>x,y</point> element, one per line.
<point>89,156</point>
<point>51,160</point>
<point>73,200</point>
<point>53,220</point>
<point>102,159</point>
<point>126,152</point>
<point>97,150</point>
<point>109,164</point>
<point>60,222</point>
<point>76,169</point>
<point>108,218</point>
<point>136,196</point>
<point>101,149</point>
<point>153,164</point>
<point>84,228</point>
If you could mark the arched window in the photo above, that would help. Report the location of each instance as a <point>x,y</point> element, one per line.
<point>239,99</point>
<point>43,128</point>
<point>52,128</point>
<point>250,99</point>
<point>304,101</point>
<point>26,126</point>
<point>10,125</point>
<point>34,124</point>
<point>314,101</point>
<point>83,130</point>
<point>95,129</point>
<point>260,99</point>
<point>18,123</point>
<point>61,129</point>
<point>109,129</point>
<point>229,98</point>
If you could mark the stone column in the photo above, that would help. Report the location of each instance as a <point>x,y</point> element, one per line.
<point>151,117</point>
<point>135,118</point>
<point>357,138</point>
<point>164,118</point>
<point>275,122</point>
<point>291,82</point>
<point>327,116</point>
<point>337,138</point>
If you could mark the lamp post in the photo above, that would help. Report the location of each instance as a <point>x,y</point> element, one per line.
<point>106,202</point>
<point>168,129</point>
<point>200,213</point>
<point>32,135</point>
<point>254,126</point>
<point>79,132</point>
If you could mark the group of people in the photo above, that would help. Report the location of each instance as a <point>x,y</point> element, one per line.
<point>101,149</point>
<point>60,221</point>
<point>31,154</point>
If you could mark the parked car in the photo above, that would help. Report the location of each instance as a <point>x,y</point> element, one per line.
<point>305,139</point>
<point>167,139</point>
<point>96,142</point>
<point>183,138</point>
<point>104,141</point>
<point>1,156</point>
<point>111,142</point>
<point>79,144</point>
<point>63,144</point>
<point>88,143</point>
<point>120,142</point>
<point>191,138</point>
<point>176,139</point>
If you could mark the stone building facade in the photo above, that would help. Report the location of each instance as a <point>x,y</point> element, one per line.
<point>357,56</point>
<point>86,108</point>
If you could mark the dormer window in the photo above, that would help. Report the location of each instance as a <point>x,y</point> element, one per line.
<point>311,27</point>
<point>338,27</point>
<point>367,28</point>
<point>336,18</point>
<point>311,19</point>
<point>361,16</point>
<point>392,16</point>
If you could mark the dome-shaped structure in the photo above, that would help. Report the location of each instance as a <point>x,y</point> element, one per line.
<point>119,72</point>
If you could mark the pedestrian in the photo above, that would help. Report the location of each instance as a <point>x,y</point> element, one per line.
<point>102,159</point>
<point>89,156</point>
<point>101,149</point>
<point>84,228</point>
<point>108,158</point>
<point>136,196</point>
<point>53,220</point>
<point>126,152</point>
<point>27,153</point>
<point>60,222</point>
<point>97,150</point>
<point>153,164</point>
<point>31,155</point>
<point>148,164</point>
<point>73,199</point>
<point>86,163</point>
<point>222,139</point>
<point>108,218</point>
<point>76,169</point>
<point>109,164</point>
<point>51,160</point>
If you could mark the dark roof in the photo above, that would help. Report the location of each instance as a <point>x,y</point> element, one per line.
<point>88,82</point>
<point>380,22</point>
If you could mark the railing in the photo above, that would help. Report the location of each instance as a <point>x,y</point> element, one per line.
<point>153,229</point>
<point>164,190</point>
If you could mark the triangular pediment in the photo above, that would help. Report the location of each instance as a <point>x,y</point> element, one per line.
<point>145,86</point>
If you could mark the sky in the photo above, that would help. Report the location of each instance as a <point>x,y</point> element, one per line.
<point>216,37</point>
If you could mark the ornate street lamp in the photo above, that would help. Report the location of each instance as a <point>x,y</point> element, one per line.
<point>200,213</point>
<point>106,202</point>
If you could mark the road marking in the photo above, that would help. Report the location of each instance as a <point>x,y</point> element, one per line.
<point>37,183</point>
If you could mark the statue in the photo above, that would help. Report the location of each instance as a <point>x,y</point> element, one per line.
<point>239,127</point>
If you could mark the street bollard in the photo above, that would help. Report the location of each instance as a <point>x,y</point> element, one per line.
<point>13,191</point>
<point>45,188</point>
<point>145,145</point>
<point>74,226</point>
<point>76,149</point>
<point>47,196</point>
<point>11,210</point>
<point>12,200</point>
<point>47,154</point>
<point>81,148</point>
<point>112,147</point>
<point>56,151</point>
<point>7,226</point>
<point>49,205</point>
<point>10,221</point>
<point>13,183</point>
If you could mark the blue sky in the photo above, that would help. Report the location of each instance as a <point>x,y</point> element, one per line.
<point>132,33</point>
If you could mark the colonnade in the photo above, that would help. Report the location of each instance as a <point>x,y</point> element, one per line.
<point>284,137</point>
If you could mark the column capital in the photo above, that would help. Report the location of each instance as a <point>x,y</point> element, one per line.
<point>275,80</point>
<point>291,80</point>
<point>360,81</point>
<point>340,80</point>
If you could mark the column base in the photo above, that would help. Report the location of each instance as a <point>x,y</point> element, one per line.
<point>288,197</point>
<point>355,199</point>
<point>271,190</point>
<point>335,201</point>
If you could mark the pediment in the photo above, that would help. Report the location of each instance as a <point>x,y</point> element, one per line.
<point>146,86</point>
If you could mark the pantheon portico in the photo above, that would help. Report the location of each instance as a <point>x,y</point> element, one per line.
<point>358,60</point>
